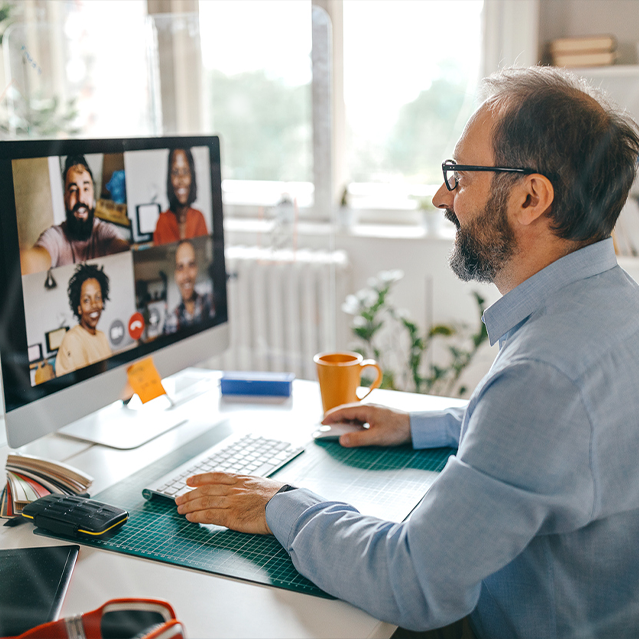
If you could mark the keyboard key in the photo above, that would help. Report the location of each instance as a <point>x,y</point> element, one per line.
<point>264,469</point>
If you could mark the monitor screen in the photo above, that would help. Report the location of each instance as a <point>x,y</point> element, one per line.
<point>112,251</point>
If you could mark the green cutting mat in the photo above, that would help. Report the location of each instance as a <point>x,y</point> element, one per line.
<point>387,482</point>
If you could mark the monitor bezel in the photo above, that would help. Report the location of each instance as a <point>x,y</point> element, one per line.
<point>34,411</point>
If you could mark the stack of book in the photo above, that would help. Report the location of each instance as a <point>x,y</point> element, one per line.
<point>30,477</point>
<point>588,51</point>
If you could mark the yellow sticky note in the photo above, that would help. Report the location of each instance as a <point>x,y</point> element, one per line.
<point>145,380</point>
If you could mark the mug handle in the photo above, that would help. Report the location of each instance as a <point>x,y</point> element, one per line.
<point>378,380</point>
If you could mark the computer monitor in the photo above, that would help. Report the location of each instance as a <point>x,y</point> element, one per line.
<point>86,292</point>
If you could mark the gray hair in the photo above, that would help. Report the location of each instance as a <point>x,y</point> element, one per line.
<point>555,123</point>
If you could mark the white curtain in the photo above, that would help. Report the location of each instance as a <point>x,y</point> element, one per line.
<point>510,34</point>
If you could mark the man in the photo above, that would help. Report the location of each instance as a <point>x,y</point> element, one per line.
<point>81,236</point>
<point>84,344</point>
<point>194,308</point>
<point>532,527</point>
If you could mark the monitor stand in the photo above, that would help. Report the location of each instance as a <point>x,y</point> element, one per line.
<point>129,425</point>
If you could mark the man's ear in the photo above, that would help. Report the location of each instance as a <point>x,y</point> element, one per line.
<point>534,197</point>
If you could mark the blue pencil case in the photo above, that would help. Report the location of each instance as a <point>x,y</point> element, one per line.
<point>257,383</point>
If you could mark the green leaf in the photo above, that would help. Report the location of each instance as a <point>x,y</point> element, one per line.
<point>441,329</point>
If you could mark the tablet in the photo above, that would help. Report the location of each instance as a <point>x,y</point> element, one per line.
<point>33,582</point>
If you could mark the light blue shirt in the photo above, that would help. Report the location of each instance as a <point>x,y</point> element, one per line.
<point>533,527</point>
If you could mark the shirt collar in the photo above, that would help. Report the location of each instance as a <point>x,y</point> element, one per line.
<point>525,299</point>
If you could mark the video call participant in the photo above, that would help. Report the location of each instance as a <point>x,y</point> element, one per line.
<point>81,236</point>
<point>180,222</point>
<point>84,344</point>
<point>193,308</point>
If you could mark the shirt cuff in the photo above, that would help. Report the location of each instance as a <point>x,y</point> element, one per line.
<point>284,489</point>
<point>436,428</point>
<point>285,508</point>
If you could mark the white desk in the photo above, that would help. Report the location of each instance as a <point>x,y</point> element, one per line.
<point>208,605</point>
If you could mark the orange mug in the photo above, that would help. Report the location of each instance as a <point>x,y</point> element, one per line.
<point>339,376</point>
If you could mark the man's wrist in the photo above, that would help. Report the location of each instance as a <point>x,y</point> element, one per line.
<point>284,489</point>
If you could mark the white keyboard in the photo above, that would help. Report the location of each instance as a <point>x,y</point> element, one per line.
<point>248,455</point>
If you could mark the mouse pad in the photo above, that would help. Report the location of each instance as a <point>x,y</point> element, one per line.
<point>385,482</point>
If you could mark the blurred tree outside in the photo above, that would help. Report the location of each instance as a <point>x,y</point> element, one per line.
<point>266,130</point>
<point>265,126</point>
<point>33,114</point>
<point>426,130</point>
<point>422,136</point>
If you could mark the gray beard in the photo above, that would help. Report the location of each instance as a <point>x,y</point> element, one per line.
<point>483,247</point>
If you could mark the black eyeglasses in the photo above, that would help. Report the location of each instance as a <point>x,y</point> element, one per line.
<point>450,168</point>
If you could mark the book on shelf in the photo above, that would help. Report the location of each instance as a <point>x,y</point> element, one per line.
<point>583,44</point>
<point>586,59</point>
<point>30,477</point>
<point>587,51</point>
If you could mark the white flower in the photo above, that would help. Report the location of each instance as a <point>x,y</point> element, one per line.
<point>402,313</point>
<point>387,277</point>
<point>369,298</point>
<point>372,282</point>
<point>366,297</point>
<point>351,305</point>
<point>359,322</point>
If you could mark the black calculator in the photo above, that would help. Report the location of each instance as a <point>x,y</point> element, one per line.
<point>74,516</point>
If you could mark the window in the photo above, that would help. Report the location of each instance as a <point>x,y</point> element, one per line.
<point>408,87</point>
<point>78,68</point>
<point>257,91</point>
<point>410,74</point>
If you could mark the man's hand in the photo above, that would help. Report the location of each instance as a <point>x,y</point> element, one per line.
<point>235,501</point>
<point>387,427</point>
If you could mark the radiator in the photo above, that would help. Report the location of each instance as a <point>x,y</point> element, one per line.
<point>284,306</point>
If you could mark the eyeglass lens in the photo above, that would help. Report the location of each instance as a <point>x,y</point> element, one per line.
<point>449,176</point>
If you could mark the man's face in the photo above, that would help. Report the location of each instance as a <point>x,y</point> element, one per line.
<point>185,270</point>
<point>485,244</point>
<point>79,202</point>
<point>485,241</point>
<point>181,177</point>
<point>91,304</point>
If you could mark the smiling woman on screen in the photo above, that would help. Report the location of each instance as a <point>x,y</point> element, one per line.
<point>181,221</point>
<point>84,344</point>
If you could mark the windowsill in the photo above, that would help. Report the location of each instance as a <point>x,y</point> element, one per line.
<point>446,231</point>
